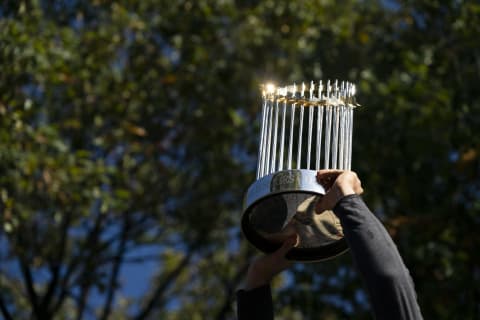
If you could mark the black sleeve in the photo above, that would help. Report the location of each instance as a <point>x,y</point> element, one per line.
<point>388,281</point>
<point>255,304</point>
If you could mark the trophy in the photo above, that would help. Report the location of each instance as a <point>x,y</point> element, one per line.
<point>304,128</point>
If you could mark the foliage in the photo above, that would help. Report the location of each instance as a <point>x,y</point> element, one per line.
<point>127,137</point>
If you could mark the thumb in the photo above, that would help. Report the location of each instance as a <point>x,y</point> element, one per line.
<point>327,202</point>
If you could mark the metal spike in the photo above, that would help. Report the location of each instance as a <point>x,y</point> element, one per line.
<point>310,130</point>
<point>300,137</point>
<point>290,141</point>
<point>282,137</point>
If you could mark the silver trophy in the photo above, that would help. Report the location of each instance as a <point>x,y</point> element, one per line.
<point>304,128</point>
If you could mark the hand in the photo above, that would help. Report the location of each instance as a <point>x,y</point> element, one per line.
<point>337,184</point>
<point>263,269</point>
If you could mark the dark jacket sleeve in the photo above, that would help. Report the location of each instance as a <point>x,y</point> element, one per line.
<point>255,304</point>
<point>388,281</point>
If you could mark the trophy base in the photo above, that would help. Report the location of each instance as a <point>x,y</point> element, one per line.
<point>282,204</point>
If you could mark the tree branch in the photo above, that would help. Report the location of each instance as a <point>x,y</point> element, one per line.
<point>162,287</point>
<point>85,277</point>
<point>63,292</point>
<point>3,306</point>
<point>74,262</point>
<point>55,267</point>
<point>132,260</point>
<point>116,268</point>
<point>82,300</point>
<point>28,280</point>
<point>4,310</point>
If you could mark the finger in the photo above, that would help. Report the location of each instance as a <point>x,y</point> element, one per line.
<point>326,202</point>
<point>319,207</point>
<point>360,191</point>
<point>327,171</point>
<point>289,243</point>
<point>359,187</point>
<point>327,177</point>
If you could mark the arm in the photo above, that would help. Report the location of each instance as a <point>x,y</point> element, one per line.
<point>255,300</point>
<point>255,303</point>
<point>388,281</point>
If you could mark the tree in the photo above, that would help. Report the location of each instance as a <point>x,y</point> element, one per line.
<point>128,137</point>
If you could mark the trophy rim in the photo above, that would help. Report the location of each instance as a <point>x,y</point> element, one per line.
<point>304,181</point>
